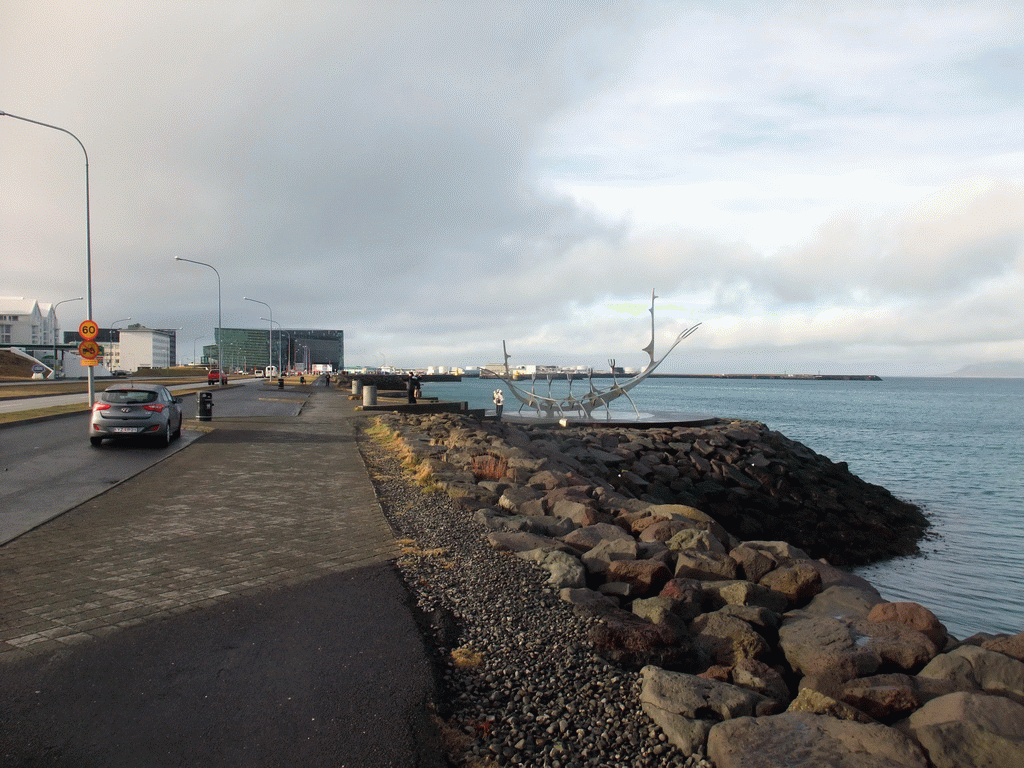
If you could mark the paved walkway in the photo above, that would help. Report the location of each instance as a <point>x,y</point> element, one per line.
<point>257,511</point>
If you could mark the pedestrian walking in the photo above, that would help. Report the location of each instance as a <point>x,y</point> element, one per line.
<point>499,403</point>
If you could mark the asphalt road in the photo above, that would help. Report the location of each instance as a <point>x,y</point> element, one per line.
<point>48,467</point>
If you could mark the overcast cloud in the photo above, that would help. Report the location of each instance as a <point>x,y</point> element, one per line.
<point>834,187</point>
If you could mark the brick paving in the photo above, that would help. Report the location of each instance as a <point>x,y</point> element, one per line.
<point>255,505</point>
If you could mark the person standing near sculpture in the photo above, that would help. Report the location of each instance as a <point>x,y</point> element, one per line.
<point>499,403</point>
<point>414,386</point>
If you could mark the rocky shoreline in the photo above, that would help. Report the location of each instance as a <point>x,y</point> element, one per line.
<point>669,597</point>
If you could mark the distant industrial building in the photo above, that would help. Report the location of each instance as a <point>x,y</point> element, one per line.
<point>290,348</point>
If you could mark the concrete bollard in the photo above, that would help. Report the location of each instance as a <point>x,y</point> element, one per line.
<point>370,394</point>
<point>357,387</point>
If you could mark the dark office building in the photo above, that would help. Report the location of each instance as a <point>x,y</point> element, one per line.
<point>247,348</point>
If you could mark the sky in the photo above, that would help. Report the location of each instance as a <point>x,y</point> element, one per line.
<point>833,187</point>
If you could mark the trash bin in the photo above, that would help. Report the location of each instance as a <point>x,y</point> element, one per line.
<point>205,405</point>
<point>370,394</point>
<point>280,383</point>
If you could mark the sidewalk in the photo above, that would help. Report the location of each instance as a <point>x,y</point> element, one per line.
<point>236,604</point>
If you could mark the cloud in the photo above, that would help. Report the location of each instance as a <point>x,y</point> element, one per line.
<point>817,184</point>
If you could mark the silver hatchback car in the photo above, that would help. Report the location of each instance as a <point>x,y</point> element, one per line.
<point>136,410</point>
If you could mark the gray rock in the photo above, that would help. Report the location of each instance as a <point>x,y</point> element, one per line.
<point>513,541</point>
<point>661,610</point>
<point>516,495</point>
<point>802,740</point>
<point>969,729</point>
<point>822,646</point>
<point>754,563</point>
<point>727,640</point>
<point>696,540</point>
<point>601,556</point>
<point>565,570</point>
<point>584,597</point>
<point>703,565</point>
<point>842,601</point>
<point>738,592</point>
<point>670,697</point>
<point>589,536</point>
<point>799,581</point>
<point>972,667</point>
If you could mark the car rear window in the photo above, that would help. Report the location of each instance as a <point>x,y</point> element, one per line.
<point>120,396</point>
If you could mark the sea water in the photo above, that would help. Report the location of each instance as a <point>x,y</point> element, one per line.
<point>952,446</point>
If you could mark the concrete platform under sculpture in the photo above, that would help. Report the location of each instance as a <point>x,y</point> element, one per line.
<point>642,420</point>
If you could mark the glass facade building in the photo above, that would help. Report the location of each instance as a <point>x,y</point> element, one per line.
<point>295,348</point>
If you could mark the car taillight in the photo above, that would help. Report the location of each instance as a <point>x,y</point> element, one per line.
<point>154,408</point>
<point>100,407</point>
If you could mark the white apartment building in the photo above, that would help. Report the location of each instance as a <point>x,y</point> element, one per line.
<point>141,347</point>
<point>24,321</point>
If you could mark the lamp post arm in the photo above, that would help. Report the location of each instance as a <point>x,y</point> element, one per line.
<point>88,233</point>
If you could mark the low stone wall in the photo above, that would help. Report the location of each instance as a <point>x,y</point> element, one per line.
<point>705,553</point>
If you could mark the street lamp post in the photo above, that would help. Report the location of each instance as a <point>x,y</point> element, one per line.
<point>65,301</point>
<point>270,338</point>
<point>197,338</point>
<point>217,336</point>
<point>88,235</point>
<point>280,330</point>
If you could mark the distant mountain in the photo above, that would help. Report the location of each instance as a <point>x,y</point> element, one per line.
<point>1001,369</point>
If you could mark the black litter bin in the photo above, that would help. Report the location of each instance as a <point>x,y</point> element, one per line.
<point>205,406</point>
<point>280,383</point>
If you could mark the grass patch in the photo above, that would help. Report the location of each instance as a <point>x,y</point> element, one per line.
<point>466,658</point>
<point>14,417</point>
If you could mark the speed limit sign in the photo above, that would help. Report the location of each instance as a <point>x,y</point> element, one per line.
<point>88,330</point>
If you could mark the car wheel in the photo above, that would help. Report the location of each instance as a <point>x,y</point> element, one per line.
<point>95,441</point>
<point>165,438</point>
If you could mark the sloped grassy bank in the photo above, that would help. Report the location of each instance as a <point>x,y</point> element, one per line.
<point>671,616</point>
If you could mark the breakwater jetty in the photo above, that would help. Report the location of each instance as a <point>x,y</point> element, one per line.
<point>686,591</point>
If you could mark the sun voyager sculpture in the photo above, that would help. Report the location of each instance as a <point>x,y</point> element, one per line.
<point>570,404</point>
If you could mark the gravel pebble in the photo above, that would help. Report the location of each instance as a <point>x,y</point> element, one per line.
<point>523,688</point>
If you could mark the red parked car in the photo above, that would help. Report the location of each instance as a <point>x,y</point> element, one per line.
<point>216,377</point>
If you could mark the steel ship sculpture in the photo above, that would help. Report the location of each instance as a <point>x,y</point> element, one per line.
<point>563,407</point>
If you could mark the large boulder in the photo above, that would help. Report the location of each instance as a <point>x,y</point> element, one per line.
<point>803,740</point>
<point>646,576</point>
<point>914,616</point>
<point>964,729</point>
<point>971,667</point>
<point>799,582</point>
<point>606,551</point>
<point>685,706</point>
<point>632,642</point>
<point>886,698</point>
<point>589,536</point>
<point>897,644</point>
<point>704,565</point>
<point>520,541</point>
<point>738,592</point>
<point>820,646</point>
<point>843,601</point>
<point>727,639</point>
<point>565,570</point>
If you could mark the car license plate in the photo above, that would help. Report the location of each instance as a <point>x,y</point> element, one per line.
<point>125,430</point>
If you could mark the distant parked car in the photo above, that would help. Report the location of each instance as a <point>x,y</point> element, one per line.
<point>136,410</point>
<point>119,374</point>
<point>216,377</point>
